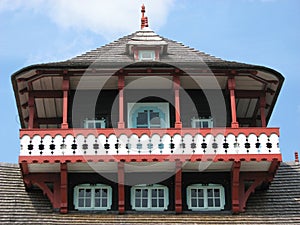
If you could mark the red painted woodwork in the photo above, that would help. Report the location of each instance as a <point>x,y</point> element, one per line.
<point>143,20</point>
<point>176,86</point>
<point>235,186</point>
<point>121,187</point>
<point>65,87</point>
<point>296,157</point>
<point>24,168</point>
<point>46,94</point>
<point>139,132</point>
<point>262,111</point>
<point>231,87</point>
<point>151,158</point>
<point>64,188</point>
<point>40,179</point>
<point>121,84</point>
<point>178,187</point>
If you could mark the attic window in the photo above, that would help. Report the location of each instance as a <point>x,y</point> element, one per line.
<point>146,55</point>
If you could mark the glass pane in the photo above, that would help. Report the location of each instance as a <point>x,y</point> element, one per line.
<point>142,119</point>
<point>138,193</point>
<point>161,193</point>
<point>97,192</point>
<point>145,203</point>
<point>104,202</point>
<point>209,192</point>
<point>194,202</point>
<point>81,192</point>
<point>161,203</point>
<point>154,119</point>
<point>145,193</point>
<point>217,202</point>
<point>200,193</point>
<point>104,192</point>
<point>137,203</point>
<point>217,192</point>
<point>90,125</point>
<point>81,202</point>
<point>200,202</point>
<point>154,202</point>
<point>205,124</point>
<point>193,192</point>
<point>98,124</point>
<point>88,192</point>
<point>97,202</point>
<point>88,202</point>
<point>210,202</point>
<point>154,193</point>
<point>197,124</point>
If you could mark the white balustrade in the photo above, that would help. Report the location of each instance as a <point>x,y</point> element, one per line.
<point>146,145</point>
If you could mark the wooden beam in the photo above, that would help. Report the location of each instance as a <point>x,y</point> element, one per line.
<point>56,120</point>
<point>235,186</point>
<point>249,93</point>
<point>46,94</point>
<point>121,187</point>
<point>178,187</point>
<point>63,188</point>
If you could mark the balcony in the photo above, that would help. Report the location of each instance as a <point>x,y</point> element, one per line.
<point>130,145</point>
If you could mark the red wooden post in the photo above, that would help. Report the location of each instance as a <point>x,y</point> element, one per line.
<point>121,187</point>
<point>31,111</point>
<point>176,85</point>
<point>231,87</point>
<point>178,187</point>
<point>65,87</point>
<point>262,110</point>
<point>121,84</point>
<point>63,188</point>
<point>235,186</point>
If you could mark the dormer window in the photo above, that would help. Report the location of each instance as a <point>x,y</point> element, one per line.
<point>146,55</point>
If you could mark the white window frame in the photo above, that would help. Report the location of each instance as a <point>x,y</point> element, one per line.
<point>132,108</point>
<point>205,188</point>
<point>94,122</point>
<point>201,121</point>
<point>149,197</point>
<point>151,58</point>
<point>92,187</point>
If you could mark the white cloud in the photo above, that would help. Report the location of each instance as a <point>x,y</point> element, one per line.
<point>108,18</point>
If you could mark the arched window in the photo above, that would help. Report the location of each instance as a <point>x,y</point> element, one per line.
<point>201,197</point>
<point>149,197</point>
<point>92,197</point>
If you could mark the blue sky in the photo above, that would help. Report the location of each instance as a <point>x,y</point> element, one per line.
<point>263,32</point>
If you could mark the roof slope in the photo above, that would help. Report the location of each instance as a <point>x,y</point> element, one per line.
<point>114,55</point>
<point>279,205</point>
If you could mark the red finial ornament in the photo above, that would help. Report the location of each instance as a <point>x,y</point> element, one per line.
<point>144,20</point>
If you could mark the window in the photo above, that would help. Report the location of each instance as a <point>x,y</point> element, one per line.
<point>148,115</point>
<point>94,123</point>
<point>149,197</point>
<point>205,197</point>
<point>92,197</point>
<point>146,55</point>
<point>202,123</point>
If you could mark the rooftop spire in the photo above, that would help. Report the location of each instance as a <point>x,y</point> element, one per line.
<point>144,19</point>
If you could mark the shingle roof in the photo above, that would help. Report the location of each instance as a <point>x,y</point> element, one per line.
<point>278,205</point>
<point>114,55</point>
